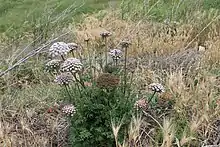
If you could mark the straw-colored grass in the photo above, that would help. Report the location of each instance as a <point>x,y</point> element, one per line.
<point>155,55</point>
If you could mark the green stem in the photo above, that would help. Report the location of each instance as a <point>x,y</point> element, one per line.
<point>79,81</point>
<point>106,52</point>
<point>116,62</point>
<point>79,89</point>
<point>152,97</point>
<point>90,61</point>
<point>132,76</point>
<point>125,70</point>
<point>63,57</point>
<point>68,92</point>
<point>73,54</point>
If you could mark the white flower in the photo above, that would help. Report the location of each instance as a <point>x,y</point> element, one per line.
<point>116,54</point>
<point>71,65</point>
<point>59,49</point>
<point>69,109</point>
<point>63,78</point>
<point>156,87</point>
<point>53,65</point>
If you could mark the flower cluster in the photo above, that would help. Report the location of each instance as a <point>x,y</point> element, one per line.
<point>69,110</point>
<point>105,34</point>
<point>72,65</point>
<point>63,78</point>
<point>141,103</point>
<point>156,87</point>
<point>59,49</point>
<point>116,54</point>
<point>125,43</point>
<point>73,46</point>
<point>53,65</point>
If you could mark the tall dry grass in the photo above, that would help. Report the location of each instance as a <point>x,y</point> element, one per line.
<point>192,120</point>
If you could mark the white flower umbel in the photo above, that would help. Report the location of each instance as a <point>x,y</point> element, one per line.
<point>156,87</point>
<point>64,79</point>
<point>53,65</point>
<point>72,65</point>
<point>59,49</point>
<point>116,54</point>
<point>69,109</point>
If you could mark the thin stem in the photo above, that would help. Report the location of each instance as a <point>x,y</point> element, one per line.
<point>79,81</point>
<point>153,119</point>
<point>68,92</point>
<point>73,54</point>
<point>106,52</point>
<point>132,76</point>
<point>63,57</point>
<point>125,70</point>
<point>152,96</point>
<point>90,61</point>
<point>116,62</point>
<point>79,89</point>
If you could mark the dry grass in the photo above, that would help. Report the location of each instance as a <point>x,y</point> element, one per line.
<point>153,50</point>
<point>31,118</point>
<point>24,121</point>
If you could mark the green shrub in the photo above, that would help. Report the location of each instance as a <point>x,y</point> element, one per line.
<point>91,125</point>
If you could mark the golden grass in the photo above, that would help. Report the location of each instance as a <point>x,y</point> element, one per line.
<point>195,103</point>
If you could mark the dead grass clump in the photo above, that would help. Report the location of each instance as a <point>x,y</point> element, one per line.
<point>27,120</point>
<point>37,130</point>
<point>151,38</point>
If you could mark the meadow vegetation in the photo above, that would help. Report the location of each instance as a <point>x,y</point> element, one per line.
<point>109,73</point>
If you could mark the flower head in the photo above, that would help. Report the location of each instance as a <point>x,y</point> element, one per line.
<point>125,43</point>
<point>63,78</point>
<point>69,109</point>
<point>59,49</point>
<point>107,80</point>
<point>53,65</point>
<point>105,34</point>
<point>73,46</point>
<point>71,65</point>
<point>116,54</point>
<point>156,87</point>
<point>141,103</point>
